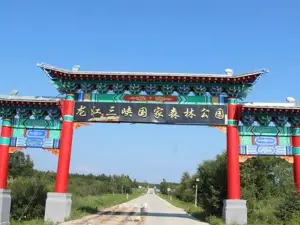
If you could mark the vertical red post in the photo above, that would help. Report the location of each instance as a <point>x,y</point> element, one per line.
<point>66,138</point>
<point>296,153</point>
<point>6,133</point>
<point>233,165</point>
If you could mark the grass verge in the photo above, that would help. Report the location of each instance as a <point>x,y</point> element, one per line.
<point>83,206</point>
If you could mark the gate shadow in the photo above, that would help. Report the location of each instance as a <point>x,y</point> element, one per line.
<point>201,216</point>
<point>90,210</point>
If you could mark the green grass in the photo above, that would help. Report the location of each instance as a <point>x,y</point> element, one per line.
<point>83,206</point>
<point>262,214</point>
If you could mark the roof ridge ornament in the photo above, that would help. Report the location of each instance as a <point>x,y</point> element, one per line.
<point>13,93</point>
<point>76,68</point>
<point>291,100</point>
<point>229,72</point>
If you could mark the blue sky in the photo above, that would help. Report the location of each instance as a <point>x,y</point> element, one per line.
<point>154,36</point>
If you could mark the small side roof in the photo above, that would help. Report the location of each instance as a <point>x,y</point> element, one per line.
<point>281,108</point>
<point>28,100</point>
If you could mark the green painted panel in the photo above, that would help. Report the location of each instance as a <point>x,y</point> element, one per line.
<point>18,132</point>
<point>4,141</point>
<point>54,134</point>
<point>285,141</point>
<point>68,118</point>
<point>6,122</point>
<point>199,99</point>
<point>69,97</point>
<point>296,150</point>
<point>232,101</point>
<point>246,140</point>
<point>37,124</point>
<point>182,99</point>
<point>296,131</point>
<point>265,131</point>
<point>105,97</point>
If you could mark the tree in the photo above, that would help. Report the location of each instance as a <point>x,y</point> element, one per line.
<point>134,184</point>
<point>185,191</point>
<point>20,165</point>
<point>163,187</point>
<point>213,184</point>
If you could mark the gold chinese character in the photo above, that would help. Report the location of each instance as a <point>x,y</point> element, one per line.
<point>158,112</point>
<point>81,111</point>
<point>189,113</point>
<point>112,111</point>
<point>173,113</point>
<point>204,113</point>
<point>127,112</point>
<point>143,112</point>
<point>95,112</point>
<point>219,114</point>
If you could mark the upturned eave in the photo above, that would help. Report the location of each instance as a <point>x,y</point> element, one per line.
<point>55,73</point>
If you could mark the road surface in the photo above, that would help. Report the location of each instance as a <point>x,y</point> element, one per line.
<point>158,212</point>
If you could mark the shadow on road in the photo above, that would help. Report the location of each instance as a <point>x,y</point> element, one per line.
<point>90,210</point>
<point>153,214</point>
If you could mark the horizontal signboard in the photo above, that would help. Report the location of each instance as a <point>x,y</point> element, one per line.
<point>150,113</point>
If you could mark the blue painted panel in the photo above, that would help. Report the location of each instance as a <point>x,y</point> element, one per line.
<point>275,150</point>
<point>33,142</point>
<point>36,133</point>
<point>265,141</point>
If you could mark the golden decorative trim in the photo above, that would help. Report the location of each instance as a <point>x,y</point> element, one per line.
<point>15,149</point>
<point>223,129</point>
<point>53,151</point>
<point>77,125</point>
<point>244,158</point>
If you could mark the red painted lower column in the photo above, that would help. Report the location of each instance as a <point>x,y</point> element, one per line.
<point>233,165</point>
<point>59,204</point>
<point>66,138</point>
<point>5,198</point>
<point>6,133</point>
<point>234,208</point>
<point>296,153</point>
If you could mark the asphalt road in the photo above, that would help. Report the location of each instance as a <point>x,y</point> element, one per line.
<point>158,212</point>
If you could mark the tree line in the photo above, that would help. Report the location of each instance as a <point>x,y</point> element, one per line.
<point>29,186</point>
<point>266,183</point>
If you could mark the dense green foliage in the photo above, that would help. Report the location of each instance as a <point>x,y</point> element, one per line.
<point>29,187</point>
<point>266,184</point>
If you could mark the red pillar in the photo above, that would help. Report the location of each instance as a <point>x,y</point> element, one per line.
<point>6,133</point>
<point>233,166</point>
<point>66,138</point>
<point>296,153</point>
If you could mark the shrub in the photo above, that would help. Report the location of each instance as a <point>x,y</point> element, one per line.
<point>28,198</point>
<point>289,207</point>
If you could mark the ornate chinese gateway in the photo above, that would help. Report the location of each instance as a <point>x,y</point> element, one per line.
<point>215,100</point>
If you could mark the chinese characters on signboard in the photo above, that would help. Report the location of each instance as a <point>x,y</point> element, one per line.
<point>150,113</point>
